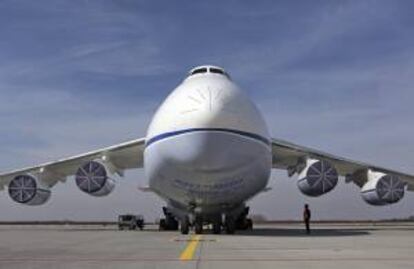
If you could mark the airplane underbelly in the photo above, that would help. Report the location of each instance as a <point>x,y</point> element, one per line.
<point>207,167</point>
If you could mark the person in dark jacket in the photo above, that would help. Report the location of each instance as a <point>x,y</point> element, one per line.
<point>307,217</point>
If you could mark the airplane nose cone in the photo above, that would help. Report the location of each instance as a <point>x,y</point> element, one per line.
<point>210,151</point>
<point>210,106</point>
<point>207,104</point>
<point>212,124</point>
<point>207,153</point>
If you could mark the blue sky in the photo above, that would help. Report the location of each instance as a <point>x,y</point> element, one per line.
<point>78,75</point>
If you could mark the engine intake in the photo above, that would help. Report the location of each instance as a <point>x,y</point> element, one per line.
<point>28,189</point>
<point>317,178</point>
<point>92,178</point>
<point>382,189</point>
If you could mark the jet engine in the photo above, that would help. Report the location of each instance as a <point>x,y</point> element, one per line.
<point>92,178</point>
<point>317,178</point>
<point>382,189</point>
<point>28,189</point>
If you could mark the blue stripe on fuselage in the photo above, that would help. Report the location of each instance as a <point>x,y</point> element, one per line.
<point>192,130</point>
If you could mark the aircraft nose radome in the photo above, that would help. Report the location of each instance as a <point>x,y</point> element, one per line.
<point>207,103</point>
<point>210,101</point>
<point>201,150</point>
<point>215,103</point>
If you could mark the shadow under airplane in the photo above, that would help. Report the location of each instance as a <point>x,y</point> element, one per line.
<point>318,232</point>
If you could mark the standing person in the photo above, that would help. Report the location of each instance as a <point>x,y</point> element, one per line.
<point>307,217</point>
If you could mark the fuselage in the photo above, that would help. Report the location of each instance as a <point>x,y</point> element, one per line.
<point>208,148</point>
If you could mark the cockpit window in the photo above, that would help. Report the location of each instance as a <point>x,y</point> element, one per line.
<point>216,70</point>
<point>199,71</point>
<point>207,70</point>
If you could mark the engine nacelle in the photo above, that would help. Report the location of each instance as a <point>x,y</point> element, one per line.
<point>29,190</point>
<point>92,178</point>
<point>317,178</point>
<point>382,189</point>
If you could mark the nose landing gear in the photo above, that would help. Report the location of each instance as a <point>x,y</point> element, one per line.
<point>185,226</point>
<point>198,225</point>
<point>217,226</point>
<point>229,223</point>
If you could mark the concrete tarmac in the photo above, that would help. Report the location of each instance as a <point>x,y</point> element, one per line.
<point>267,246</point>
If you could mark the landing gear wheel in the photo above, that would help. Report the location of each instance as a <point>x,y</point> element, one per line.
<point>185,226</point>
<point>249,224</point>
<point>162,225</point>
<point>171,223</point>
<point>198,226</point>
<point>230,225</point>
<point>216,227</point>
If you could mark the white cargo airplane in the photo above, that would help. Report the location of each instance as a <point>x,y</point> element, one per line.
<point>207,151</point>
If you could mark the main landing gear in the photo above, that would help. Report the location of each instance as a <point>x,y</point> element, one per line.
<point>244,223</point>
<point>169,223</point>
<point>229,224</point>
<point>232,224</point>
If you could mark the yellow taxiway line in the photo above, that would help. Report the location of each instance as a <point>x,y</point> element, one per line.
<point>188,252</point>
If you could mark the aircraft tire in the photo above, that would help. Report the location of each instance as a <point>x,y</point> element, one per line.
<point>230,225</point>
<point>162,225</point>
<point>249,224</point>
<point>216,227</point>
<point>198,226</point>
<point>185,226</point>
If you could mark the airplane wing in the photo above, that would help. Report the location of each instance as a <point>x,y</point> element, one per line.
<point>287,156</point>
<point>122,156</point>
